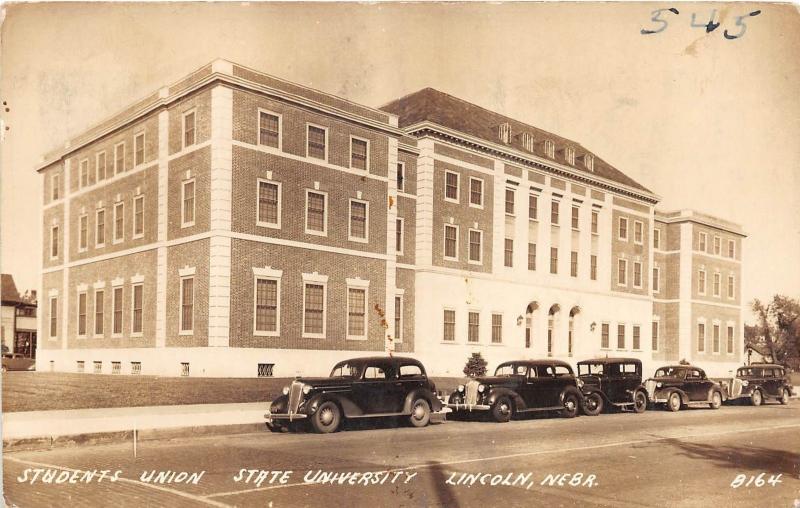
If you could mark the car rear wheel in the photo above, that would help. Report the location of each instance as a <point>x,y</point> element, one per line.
<point>502,410</point>
<point>570,406</point>
<point>327,418</point>
<point>674,402</point>
<point>716,400</point>
<point>785,396</point>
<point>593,404</point>
<point>420,413</point>
<point>756,398</point>
<point>639,402</point>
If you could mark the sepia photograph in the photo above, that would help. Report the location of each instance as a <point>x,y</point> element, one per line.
<point>421,254</point>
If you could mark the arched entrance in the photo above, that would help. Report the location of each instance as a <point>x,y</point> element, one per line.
<point>529,310</point>
<point>573,312</point>
<point>552,314</point>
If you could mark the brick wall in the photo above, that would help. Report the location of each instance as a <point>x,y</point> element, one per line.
<point>405,281</point>
<point>51,216</point>
<point>407,210</point>
<point>198,165</point>
<point>410,161</point>
<point>51,281</point>
<point>712,314</point>
<point>631,251</point>
<point>668,331</point>
<point>192,254</point>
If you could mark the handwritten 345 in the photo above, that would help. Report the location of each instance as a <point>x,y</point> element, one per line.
<point>660,17</point>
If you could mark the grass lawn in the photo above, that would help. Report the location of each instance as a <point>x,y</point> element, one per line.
<point>34,391</point>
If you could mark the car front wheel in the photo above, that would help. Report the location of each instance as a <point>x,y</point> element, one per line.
<point>716,400</point>
<point>420,413</point>
<point>593,404</point>
<point>756,398</point>
<point>502,410</point>
<point>640,402</point>
<point>674,402</point>
<point>327,418</point>
<point>570,406</point>
<point>785,396</point>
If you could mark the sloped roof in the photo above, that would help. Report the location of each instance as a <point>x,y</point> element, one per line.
<point>8,290</point>
<point>448,111</point>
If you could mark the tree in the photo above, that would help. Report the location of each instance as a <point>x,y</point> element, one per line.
<point>778,329</point>
<point>476,365</point>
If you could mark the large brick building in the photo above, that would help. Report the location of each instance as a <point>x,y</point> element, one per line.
<point>235,224</point>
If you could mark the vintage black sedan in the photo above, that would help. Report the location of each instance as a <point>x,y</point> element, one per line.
<point>520,387</point>
<point>760,383</point>
<point>380,386</point>
<point>676,386</point>
<point>612,382</point>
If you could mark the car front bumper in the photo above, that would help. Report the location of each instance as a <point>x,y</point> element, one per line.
<point>290,417</point>
<point>467,407</point>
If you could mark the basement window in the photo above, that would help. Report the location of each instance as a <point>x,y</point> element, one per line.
<point>98,367</point>
<point>80,366</point>
<point>136,368</point>
<point>265,369</point>
<point>116,367</point>
<point>185,369</point>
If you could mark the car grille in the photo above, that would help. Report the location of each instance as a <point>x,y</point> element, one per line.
<point>295,396</point>
<point>650,386</point>
<point>736,388</point>
<point>471,393</point>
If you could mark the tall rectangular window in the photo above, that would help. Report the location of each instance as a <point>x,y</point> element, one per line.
<point>82,314</point>
<point>533,207</point>
<point>54,242</point>
<point>531,256</point>
<point>604,336</point>
<point>450,242</point>
<point>269,204</point>
<point>553,259</point>
<point>449,320</point>
<point>637,338</point>
<point>623,228</point>
<point>53,317</point>
<point>654,336</point>
<point>316,216</point>
<point>473,327</point>
<point>401,176</point>
<point>451,186</point>
<point>497,328</point>
<point>119,158</point>
<point>717,246</point>
<point>573,264</point>
<point>138,309</point>
<point>359,150</point>
<point>398,318</point>
<point>99,307</point>
<point>83,232</point>
<point>138,216</point>
<point>508,252</point>
<point>314,309</point>
<point>622,272</point>
<point>731,249</point>
<point>620,336</point>
<point>187,199</point>
<point>187,304</point>
<point>657,239</point>
<point>475,191</point>
<point>189,122</point>
<point>554,212</point>
<point>717,284</point>
<point>399,235</point>
<point>358,220</point>
<point>100,228</point>
<point>593,267</point>
<point>269,129</point>
<point>595,218</point>
<point>701,241</point>
<point>715,338</point>
<point>656,281</point>
<point>730,340</point>
<point>475,245</point>
<point>119,221</point>
<point>116,317</point>
<point>266,310</point>
<point>637,274</point>
<point>731,287</point>
<point>701,282</point>
<point>356,313</point>
<point>84,173</point>
<point>510,201</point>
<point>701,337</point>
<point>138,149</point>
<point>575,217</point>
<point>638,232</point>
<point>100,166</point>
<point>55,184</point>
<point>317,143</point>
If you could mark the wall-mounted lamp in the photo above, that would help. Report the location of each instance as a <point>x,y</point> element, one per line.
<point>519,320</point>
<point>592,326</point>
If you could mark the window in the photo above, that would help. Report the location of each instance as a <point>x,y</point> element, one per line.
<point>83,232</point>
<point>731,287</point>
<point>573,264</point>
<point>637,338</point>
<point>475,192</point>
<point>84,173</point>
<point>100,166</point>
<point>588,160</point>
<point>604,333</point>
<point>715,338</point>
<point>98,312</point>
<point>359,153</point>
<point>701,282</point>
<point>187,198</point>
<point>730,340</point>
<point>55,184</point>
<point>527,140</point>
<point>138,309</point>
<point>359,229</point>
<point>623,228</point>
<point>138,149</point>
<point>497,328</point>
<point>356,313</point>
<point>269,204</point>
<point>569,155</point>
<point>53,317</point>
<point>116,317</point>
<point>656,239</point>
<point>187,304</point>
<point>637,274</point>
<point>398,319</point>
<point>401,176</point>
<point>54,242</point>
<point>317,143</point>
<point>136,368</point>
<point>100,228</point>
<point>701,337</point>
<point>531,256</point>
<point>449,325</point>
<point>554,212</point>
<point>533,207</point>
<point>731,249</point>
<point>549,148</point>
<point>97,367</point>
<point>314,310</point>
<point>450,242</point>
<point>638,231</point>
<point>266,369</point>
<point>550,325</point>
<point>654,337</point>
<point>701,242</point>
<point>620,336</point>
<point>553,259</point>
<point>82,314</point>
<point>451,186</point>
<point>508,253</point>
<point>184,369</point>
<point>80,366</point>
<point>575,217</point>
<point>398,235</point>
<point>717,246</point>
<point>316,216</point>
<point>138,216</point>
<point>622,272</point>
<point>473,327</point>
<point>656,279</point>
<point>189,137</point>
<point>595,217</point>
<point>119,158</point>
<point>266,306</point>
<point>269,129</point>
<point>593,267</point>
<point>717,283</point>
<point>509,201</point>
<point>119,222</point>
<point>475,246</point>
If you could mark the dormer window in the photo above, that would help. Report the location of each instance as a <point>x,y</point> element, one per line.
<point>588,160</point>
<point>527,141</point>
<point>549,148</point>
<point>504,132</point>
<point>569,155</point>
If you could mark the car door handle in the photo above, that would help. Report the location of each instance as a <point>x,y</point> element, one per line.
<point>398,383</point>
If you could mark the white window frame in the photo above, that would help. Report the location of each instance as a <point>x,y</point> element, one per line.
<point>99,290</point>
<point>717,242</point>
<point>444,242</point>
<point>114,240</point>
<point>362,285</point>
<point>97,244</point>
<point>280,129</point>
<point>549,148</point>
<point>324,232</point>
<point>716,324</point>
<point>402,228</point>
<point>267,274</point>
<point>640,225</point>
<point>657,322</point>
<point>732,252</point>
<point>624,337</point>
<point>133,299</point>
<point>731,286</point>
<point>350,236</point>
<point>505,243</point>
<point>83,247</point>
<point>455,326</point>
<point>401,170</point>
<point>114,289</point>
<point>458,186</point>
<point>259,222</point>
<point>350,161</point>
<point>469,247</point>
<point>470,311</point>
<point>716,289</point>
<point>595,230</point>
<point>513,192</point>
<point>702,242</point>
<point>705,335</point>
<point>136,137</point>
<point>483,186</point>
<point>97,165</point>
<point>399,293</point>
<point>50,334</point>
<point>701,290</point>
<point>730,326</point>
<point>327,141</point>
<point>319,280</point>
<point>139,198</point>
<point>576,216</point>
<point>55,184</point>
<point>656,282</point>
<point>184,183</point>
<point>569,155</point>
<point>188,274</point>
<point>56,228</point>
<point>85,294</point>
<point>118,170</point>
<point>491,327</point>
<point>183,128</point>
<point>619,229</point>
<point>537,197</point>
<point>625,271</point>
<point>83,171</point>
<point>641,275</point>
<point>635,327</point>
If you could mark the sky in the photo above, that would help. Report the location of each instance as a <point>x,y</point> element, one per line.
<point>704,121</point>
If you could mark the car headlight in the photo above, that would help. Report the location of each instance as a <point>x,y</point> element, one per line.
<point>286,390</point>
<point>579,382</point>
<point>306,389</point>
<point>460,388</point>
<point>481,388</point>
<point>659,384</point>
<point>745,382</point>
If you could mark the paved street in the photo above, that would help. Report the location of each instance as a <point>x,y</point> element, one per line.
<point>687,458</point>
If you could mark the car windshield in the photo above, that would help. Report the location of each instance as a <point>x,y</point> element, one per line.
<point>594,369</point>
<point>510,370</point>
<point>678,372</point>
<point>748,371</point>
<point>346,369</point>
